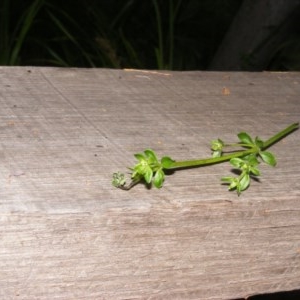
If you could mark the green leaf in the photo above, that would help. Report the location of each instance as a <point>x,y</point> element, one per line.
<point>216,154</point>
<point>148,174</point>
<point>254,171</point>
<point>259,143</point>
<point>232,181</point>
<point>234,184</point>
<point>217,145</point>
<point>227,179</point>
<point>236,162</point>
<point>141,167</point>
<point>244,182</point>
<point>167,162</point>
<point>268,158</point>
<point>139,156</point>
<point>252,159</point>
<point>159,178</point>
<point>245,138</point>
<point>151,156</point>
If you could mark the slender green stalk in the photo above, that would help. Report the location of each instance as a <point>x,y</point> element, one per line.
<point>274,139</point>
<point>27,22</point>
<point>209,161</point>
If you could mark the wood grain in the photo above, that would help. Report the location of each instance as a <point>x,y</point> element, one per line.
<point>66,233</point>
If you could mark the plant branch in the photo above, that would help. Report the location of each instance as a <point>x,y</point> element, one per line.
<point>151,170</point>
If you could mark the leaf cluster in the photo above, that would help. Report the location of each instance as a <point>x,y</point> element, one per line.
<point>248,165</point>
<point>150,168</point>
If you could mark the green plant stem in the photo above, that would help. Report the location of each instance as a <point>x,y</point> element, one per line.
<point>274,139</point>
<point>209,161</point>
<point>253,150</point>
<point>26,23</point>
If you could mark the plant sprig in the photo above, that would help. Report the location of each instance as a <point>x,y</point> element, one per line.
<point>244,155</point>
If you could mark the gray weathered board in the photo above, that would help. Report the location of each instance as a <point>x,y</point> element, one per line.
<point>66,233</point>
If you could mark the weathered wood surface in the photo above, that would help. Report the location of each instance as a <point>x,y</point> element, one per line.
<point>66,233</point>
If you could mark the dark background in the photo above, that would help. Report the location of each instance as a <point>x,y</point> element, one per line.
<point>154,34</point>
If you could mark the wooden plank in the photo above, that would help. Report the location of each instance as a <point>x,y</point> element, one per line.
<point>67,233</point>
